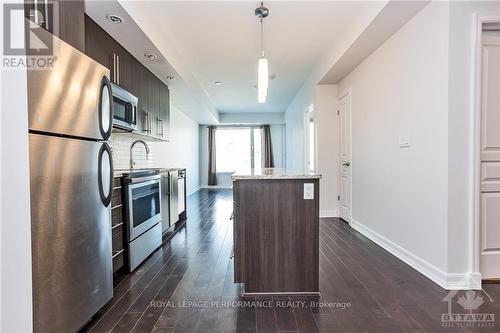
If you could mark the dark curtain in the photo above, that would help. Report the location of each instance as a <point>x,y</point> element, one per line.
<point>212,173</point>
<point>267,147</point>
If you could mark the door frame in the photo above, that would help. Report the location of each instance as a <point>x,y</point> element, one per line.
<point>310,110</point>
<point>339,164</point>
<point>475,227</point>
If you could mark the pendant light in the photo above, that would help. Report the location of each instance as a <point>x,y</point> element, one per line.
<point>263,65</point>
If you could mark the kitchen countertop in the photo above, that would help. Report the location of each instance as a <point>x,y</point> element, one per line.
<point>273,173</point>
<point>120,172</point>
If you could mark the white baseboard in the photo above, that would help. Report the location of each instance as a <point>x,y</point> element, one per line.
<point>216,186</point>
<point>446,281</point>
<point>329,213</point>
<point>475,281</point>
<point>194,191</point>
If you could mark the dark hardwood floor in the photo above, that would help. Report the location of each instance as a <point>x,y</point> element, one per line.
<point>187,286</point>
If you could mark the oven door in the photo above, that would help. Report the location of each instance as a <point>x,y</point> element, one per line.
<point>144,207</point>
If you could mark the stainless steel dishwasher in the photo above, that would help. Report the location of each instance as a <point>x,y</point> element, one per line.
<point>174,196</point>
<point>182,193</point>
<point>165,200</point>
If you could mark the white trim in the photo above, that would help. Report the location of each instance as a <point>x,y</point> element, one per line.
<point>194,191</point>
<point>310,112</point>
<point>329,213</point>
<point>215,187</point>
<point>474,229</point>
<point>348,91</point>
<point>475,281</point>
<point>446,281</point>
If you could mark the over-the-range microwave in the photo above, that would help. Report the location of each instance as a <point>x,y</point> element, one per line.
<point>124,109</point>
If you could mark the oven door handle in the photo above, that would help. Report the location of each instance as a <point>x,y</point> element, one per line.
<point>144,180</point>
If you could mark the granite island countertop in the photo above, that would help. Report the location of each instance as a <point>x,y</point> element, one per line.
<point>273,173</point>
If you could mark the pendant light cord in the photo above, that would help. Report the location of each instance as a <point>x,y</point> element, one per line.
<point>262,33</point>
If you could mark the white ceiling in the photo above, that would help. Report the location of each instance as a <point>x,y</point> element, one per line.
<point>185,94</point>
<point>219,41</point>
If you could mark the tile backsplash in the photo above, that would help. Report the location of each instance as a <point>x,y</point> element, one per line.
<point>120,144</point>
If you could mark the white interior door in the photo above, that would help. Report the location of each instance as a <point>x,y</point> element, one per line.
<point>490,158</point>
<point>345,158</point>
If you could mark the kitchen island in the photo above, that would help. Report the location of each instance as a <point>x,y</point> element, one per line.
<point>276,231</point>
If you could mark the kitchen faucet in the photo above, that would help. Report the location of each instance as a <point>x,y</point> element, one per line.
<point>132,146</point>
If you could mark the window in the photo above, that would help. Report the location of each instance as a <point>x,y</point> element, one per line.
<point>238,148</point>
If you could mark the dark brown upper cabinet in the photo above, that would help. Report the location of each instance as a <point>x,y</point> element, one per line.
<point>97,44</point>
<point>154,103</point>
<point>65,19</point>
<point>107,51</point>
<point>164,112</point>
<point>124,67</point>
<point>139,89</point>
<point>153,109</point>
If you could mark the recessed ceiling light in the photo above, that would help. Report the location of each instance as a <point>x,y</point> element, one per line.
<point>218,83</point>
<point>114,19</point>
<point>170,77</point>
<point>150,56</point>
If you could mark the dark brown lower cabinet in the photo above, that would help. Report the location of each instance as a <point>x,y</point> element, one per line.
<point>276,236</point>
<point>117,225</point>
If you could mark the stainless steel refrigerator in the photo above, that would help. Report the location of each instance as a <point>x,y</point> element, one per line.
<point>71,179</point>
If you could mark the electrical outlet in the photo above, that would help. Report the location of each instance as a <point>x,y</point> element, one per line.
<point>308,191</point>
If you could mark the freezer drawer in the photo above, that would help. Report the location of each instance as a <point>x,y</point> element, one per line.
<point>71,189</point>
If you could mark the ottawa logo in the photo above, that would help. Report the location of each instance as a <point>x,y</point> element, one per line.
<point>467,313</point>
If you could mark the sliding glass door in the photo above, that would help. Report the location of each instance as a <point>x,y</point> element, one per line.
<point>238,148</point>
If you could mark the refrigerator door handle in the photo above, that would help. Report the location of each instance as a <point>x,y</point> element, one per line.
<point>105,184</point>
<point>105,108</point>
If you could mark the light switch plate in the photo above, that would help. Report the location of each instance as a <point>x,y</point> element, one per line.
<point>404,142</point>
<point>308,191</point>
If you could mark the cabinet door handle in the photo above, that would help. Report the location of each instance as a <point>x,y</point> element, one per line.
<point>146,115</point>
<point>118,69</point>
<point>160,125</point>
<point>150,125</point>
<point>114,68</point>
<point>46,3</point>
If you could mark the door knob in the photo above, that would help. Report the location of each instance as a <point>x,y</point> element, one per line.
<point>346,164</point>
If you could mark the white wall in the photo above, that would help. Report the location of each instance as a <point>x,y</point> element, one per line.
<point>327,147</point>
<point>305,96</point>
<point>461,123</point>
<point>400,194</point>
<point>181,151</point>
<point>15,227</point>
